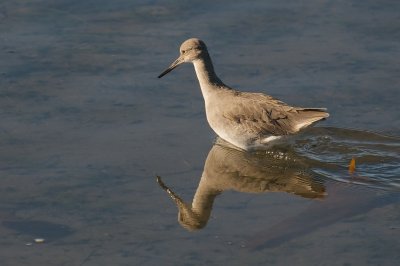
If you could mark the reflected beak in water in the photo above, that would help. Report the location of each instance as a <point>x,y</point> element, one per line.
<point>176,63</point>
<point>173,196</point>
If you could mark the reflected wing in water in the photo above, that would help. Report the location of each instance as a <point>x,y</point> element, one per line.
<point>227,168</point>
<point>334,154</point>
<point>300,169</point>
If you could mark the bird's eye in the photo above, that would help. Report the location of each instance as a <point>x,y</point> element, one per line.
<point>183,51</point>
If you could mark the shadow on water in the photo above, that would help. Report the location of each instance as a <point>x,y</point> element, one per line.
<point>316,158</point>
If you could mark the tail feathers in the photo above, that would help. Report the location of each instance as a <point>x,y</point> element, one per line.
<point>308,116</point>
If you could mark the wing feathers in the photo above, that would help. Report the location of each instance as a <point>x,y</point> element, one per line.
<point>264,115</point>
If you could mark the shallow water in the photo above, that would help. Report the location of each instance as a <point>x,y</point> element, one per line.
<point>87,126</point>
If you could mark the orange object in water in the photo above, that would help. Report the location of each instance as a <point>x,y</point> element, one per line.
<point>352,166</point>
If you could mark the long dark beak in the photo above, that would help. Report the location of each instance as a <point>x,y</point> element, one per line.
<point>176,63</point>
<point>173,196</point>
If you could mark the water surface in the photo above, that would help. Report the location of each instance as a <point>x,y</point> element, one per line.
<point>86,126</point>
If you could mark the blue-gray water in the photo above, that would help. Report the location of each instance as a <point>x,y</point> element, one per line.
<point>86,126</point>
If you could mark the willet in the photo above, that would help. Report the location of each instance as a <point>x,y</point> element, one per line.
<point>247,120</point>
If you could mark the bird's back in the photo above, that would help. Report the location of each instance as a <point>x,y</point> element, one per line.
<point>244,118</point>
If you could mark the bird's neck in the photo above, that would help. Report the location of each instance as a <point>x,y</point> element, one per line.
<point>203,199</point>
<point>205,74</point>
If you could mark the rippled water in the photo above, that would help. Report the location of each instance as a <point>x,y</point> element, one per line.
<point>319,156</point>
<point>86,127</point>
<point>377,157</point>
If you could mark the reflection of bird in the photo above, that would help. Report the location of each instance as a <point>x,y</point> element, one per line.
<point>227,168</point>
<point>245,119</point>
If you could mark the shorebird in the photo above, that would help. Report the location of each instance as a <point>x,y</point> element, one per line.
<point>247,120</point>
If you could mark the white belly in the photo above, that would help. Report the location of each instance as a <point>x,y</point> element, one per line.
<point>244,140</point>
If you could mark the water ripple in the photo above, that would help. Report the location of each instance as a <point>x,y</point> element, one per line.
<point>330,151</point>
